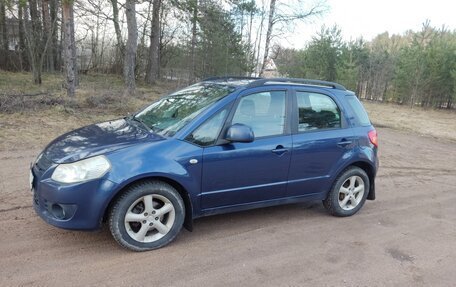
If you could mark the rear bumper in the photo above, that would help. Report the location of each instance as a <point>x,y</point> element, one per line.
<point>371,195</point>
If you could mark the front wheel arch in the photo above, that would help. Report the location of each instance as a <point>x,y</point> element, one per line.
<point>188,221</point>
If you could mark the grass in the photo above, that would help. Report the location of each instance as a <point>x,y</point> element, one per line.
<point>33,121</point>
<point>22,83</point>
<point>434,123</point>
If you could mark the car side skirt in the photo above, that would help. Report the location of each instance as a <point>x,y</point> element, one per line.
<point>261,204</point>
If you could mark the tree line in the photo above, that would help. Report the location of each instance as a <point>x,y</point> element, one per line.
<point>416,68</point>
<point>187,40</point>
<point>183,40</point>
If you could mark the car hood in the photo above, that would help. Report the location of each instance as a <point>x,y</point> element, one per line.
<point>97,139</point>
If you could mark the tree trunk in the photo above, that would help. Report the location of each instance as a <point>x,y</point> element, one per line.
<point>22,48</point>
<point>153,66</point>
<point>131,47</point>
<point>47,32</point>
<point>250,56</point>
<point>143,53</point>
<point>115,20</point>
<point>69,47</point>
<point>268,35</point>
<point>35,45</point>
<point>73,41</point>
<point>4,36</point>
<point>259,37</point>
<point>193,44</point>
<point>54,49</point>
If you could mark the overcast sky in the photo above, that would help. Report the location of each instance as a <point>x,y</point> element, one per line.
<point>371,17</point>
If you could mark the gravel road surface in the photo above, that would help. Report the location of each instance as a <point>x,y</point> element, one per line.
<point>407,237</point>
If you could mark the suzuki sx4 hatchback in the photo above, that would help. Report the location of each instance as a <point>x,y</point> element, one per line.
<point>222,145</point>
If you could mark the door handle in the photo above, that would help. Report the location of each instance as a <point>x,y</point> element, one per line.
<point>279,150</point>
<point>344,142</point>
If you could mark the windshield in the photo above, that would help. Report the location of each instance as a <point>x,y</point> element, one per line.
<point>169,115</point>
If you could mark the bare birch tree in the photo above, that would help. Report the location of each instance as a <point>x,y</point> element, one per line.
<point>272,8</point>
<point>130,48</point>
<point>34,42</point>
<point>22,37</point>
<point>281,13</point>
<point>153,66</point>
<point>194,20</point>
<point>69,47</point>
<point>47,31</point>
<point>3,33</point>
<point>120,44</point>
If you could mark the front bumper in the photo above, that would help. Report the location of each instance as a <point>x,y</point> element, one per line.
<point>77,206</point>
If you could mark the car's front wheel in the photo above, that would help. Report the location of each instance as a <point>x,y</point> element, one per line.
<point>348,193</point>
<point>147,216</point>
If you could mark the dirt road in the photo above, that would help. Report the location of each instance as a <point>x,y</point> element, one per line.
<point>407,237</point>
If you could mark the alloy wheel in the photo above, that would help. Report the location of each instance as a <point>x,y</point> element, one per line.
<point>351,192</point>
<point>149,218</point>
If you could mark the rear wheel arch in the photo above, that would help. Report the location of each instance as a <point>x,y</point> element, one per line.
<point>370,171</point>
<point>348,192</point>
<point>188,222</point>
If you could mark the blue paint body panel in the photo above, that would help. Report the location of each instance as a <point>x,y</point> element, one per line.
<point>223,177</point>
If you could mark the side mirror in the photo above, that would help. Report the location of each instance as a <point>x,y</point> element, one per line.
<point>240,133</point>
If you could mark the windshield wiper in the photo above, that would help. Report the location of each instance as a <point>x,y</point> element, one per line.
<point>134,118</point>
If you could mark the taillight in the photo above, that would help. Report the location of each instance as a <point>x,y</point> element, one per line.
<point>373,137</point>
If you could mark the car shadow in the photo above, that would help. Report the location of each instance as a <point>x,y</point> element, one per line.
<point>250,220</point>
<point>205,228</point>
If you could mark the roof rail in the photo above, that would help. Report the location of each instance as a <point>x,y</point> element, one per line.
<point>228,78</point>
<point>262,82</point>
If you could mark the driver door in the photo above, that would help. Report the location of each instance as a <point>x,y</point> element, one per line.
<point>242,173</point>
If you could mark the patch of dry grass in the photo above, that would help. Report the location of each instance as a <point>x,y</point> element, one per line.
<point>22,83</point>
<point>435,123</point>
<point>33,121</point>
<point>35,129</point>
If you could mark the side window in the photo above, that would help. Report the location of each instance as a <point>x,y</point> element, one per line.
<point>359,111</point>
<point>263,112</point>
<point>317,111</point>
<point>207,133</point>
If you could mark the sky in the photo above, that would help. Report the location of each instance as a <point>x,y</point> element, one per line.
<point>371,17</point>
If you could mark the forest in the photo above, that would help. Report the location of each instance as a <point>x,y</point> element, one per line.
<point>416,68</point>
<point>188,40</point>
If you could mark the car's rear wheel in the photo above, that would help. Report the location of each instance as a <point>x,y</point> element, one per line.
<point>147,216</point>
<point>348,193</point>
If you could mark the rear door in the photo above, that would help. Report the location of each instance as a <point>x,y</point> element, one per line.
<point>242,173</point>
<point>321,141</point>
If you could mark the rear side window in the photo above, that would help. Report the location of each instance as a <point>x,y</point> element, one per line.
<point>358,110</point>
<point>316,112</point>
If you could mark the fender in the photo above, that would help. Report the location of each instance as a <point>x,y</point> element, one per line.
<point>142,162</point>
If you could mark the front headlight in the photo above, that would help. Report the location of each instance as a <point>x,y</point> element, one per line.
<point>82,170</point>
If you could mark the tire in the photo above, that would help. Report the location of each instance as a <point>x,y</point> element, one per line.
<point>147,216</point>
<point>348,193</point>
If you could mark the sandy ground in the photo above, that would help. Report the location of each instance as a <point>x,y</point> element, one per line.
<point>430,122</point>
<point>407,237</point>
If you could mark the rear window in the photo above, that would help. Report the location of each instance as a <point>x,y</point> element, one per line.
<point>359,111</point>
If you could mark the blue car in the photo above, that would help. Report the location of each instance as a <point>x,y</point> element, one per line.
<point>222,145</point>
